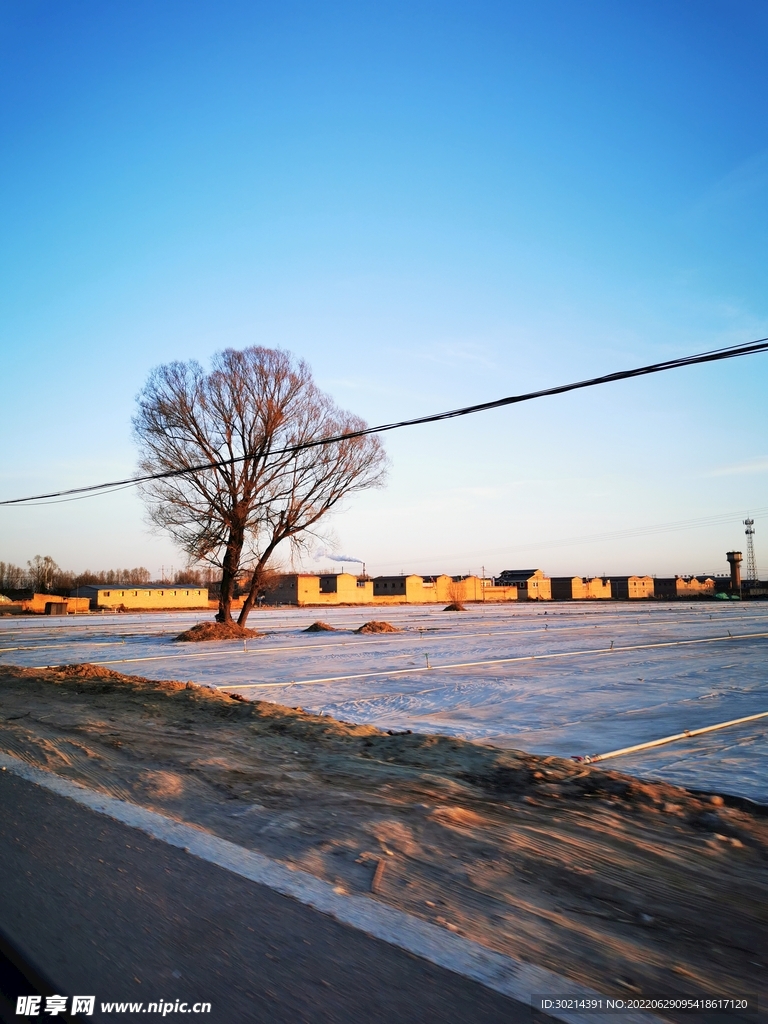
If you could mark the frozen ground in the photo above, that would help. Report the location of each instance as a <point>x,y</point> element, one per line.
<point>554,679</point>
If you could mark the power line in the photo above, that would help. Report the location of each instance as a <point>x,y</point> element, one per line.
<point>103,489</point>
<point>716,355</point>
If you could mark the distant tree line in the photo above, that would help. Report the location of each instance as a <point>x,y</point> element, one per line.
<point>44,576</point>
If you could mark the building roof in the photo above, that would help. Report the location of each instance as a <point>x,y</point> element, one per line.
<point>139,586</point>
<point>517,574</point>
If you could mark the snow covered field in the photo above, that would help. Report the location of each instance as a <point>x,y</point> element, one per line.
<point>560,679</point>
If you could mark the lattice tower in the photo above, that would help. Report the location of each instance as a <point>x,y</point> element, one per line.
<point>751,565</point>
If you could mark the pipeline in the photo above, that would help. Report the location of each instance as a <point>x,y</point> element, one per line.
<point>686,734</point>
<point>495,660</point>
<point>492,661</point>
<point>384,639</point>
<point>229,652</point>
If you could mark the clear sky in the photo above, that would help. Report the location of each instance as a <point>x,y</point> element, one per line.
<point>433,204</point>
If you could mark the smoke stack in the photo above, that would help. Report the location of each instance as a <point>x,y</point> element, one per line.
<point>734,559</point>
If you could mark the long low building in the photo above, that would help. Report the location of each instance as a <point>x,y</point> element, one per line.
<point>439,589</point>
<point>669,588</point>
<point>344,588</point>
<point>44,604</point>
<point>143,598</point>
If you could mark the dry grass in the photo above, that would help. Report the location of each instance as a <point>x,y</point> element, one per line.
<point>377,627</point>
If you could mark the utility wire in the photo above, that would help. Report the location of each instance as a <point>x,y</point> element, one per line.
<point>103,489</point>
<point>716,355</point>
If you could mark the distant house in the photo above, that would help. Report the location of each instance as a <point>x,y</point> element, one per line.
<point>137,598</point>
<point>532,584</point>
<point>632,588</point>
<point>580,588</point>
<point>47,604</point>
<point>411,589</point>
<point>695,586</point>
<point>672,587</point>
<point>665,588</point>
<point>300,588</point>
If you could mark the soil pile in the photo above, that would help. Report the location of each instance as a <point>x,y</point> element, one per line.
<point>378,627</point>
<point>454,606</point>
<point>320,627</point>
<point>216,631</point>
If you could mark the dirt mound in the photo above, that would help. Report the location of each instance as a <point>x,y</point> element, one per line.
<point>454,606</point>
<point>88,671</point>
<point>216,631</point>
<point>377,627</point>
<point>320,627</point>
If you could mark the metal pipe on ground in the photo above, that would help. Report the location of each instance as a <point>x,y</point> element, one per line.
<point>687,734</point>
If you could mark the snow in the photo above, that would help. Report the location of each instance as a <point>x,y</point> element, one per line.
<point>555,680</point>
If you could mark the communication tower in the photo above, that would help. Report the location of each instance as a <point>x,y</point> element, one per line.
<point>751,565</point>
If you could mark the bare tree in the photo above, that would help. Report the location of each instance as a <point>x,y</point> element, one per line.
<point>252,406</point>
<point>139,575</point>
<point>188,577</point>
<point>11,577</point>
<point>42,573</point>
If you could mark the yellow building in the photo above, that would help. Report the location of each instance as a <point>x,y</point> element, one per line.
<point>580,588</point>
<point>440,589</point>
<point>471,589</point>
<point>695,586</point>
<point>594,589</point>
<point>142,598</point>
<point>496,594</point>
<point>531,584</point>
<point>632,587</point>
<point>331,588</point>
<point>345,589</point>
<point>411,589</point>
<point>52,604</point>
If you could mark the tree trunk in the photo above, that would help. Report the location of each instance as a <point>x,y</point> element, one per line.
<point>248,604</point>
<point>253,591</point>
<point>229,569</point>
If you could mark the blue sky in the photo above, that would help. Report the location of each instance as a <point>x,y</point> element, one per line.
<point>432,203</point>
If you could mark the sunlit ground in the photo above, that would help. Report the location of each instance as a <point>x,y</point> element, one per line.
<point>566,679</point>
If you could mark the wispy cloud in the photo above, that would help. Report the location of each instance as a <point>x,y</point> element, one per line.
<point>750,467</point>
